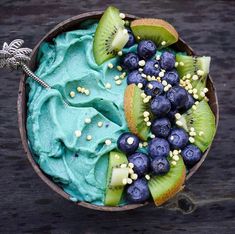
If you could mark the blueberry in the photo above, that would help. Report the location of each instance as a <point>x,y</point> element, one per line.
<point>135,78</point>
<point>154,88</point>
<point>138,191</point>
<point>158,147</point>
<point>171,115</point>
<point>161,127</point>
<point>178,138</point>
<point>191,155</point>
<point>172,77</point>
<point>128,143</point>
<point>131,40</point>
<point>160,166</point>
<point>188,104</point>
<point>146,49</point>
<point>141,163</point>
<point>160,106</point>
<point>167,61</point>
<point>151,68</point>
<point>178,96</point>
<point>130,61</point>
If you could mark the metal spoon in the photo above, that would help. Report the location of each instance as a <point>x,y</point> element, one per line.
<point>14,57</point>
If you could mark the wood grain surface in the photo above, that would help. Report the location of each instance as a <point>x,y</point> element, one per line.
<point>27,205</point>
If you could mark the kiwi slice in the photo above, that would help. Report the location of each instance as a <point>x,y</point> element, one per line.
<point>164,187</point>
<point>114,178</point>
<point>110,36</point>
<point>117,176</point>
<point>203,121</point>
<point>134,108</point>
<point>157,30</point>
<point>191,65</point>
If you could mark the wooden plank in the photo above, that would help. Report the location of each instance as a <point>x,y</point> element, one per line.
<point>28,205</point>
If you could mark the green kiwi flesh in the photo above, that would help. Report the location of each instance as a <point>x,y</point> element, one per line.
<point>134,108</point>
<point>118,174</point>
<point>110,36</point>
<point>164,187</point>
<point>114,193</point>
<point>157,30</point>
<point>190,66</point>
<point>203,121</point>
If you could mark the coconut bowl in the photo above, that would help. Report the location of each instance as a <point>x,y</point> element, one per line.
<point>72,24</point>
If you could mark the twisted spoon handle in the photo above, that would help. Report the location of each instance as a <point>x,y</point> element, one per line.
<point>33,76</point>
<point>14,57</point>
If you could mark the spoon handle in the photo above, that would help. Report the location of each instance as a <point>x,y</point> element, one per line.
<point>27,71</point>
<point>14,57</point>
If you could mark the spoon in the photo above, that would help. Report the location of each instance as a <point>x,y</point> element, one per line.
<point>14,57</point>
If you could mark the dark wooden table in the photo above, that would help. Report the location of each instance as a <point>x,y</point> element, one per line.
<point>27,205</point>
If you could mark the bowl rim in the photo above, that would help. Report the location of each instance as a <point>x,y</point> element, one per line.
<point>64,26</point>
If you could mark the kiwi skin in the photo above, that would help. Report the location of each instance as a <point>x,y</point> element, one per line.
<point>128,107</point>
<point>171,193</point>
<point>148,28</point>
<point>134,108</point>
<point>178,174</point>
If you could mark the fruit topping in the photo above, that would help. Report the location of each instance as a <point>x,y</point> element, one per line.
<point>110,36</point>
<point>114,176</point>
<point>178,138</point>
<point>161,127</point>
<point>158,147</point>
<point>171,115</point>
<point>131,40</point>
<point>163,187</point>
<point>160,106</point>
<point>193,71</point>
<point>138,191</point>
<point>191,155</point>
<point>146,49</point>
<point>136,111</point>
<point>202,120</point>
<point>188,104</point>
<point>130,61</point>
<point>135,78</point>
<point>167,61</point>
<point>156,98</point>
<point>193,65</point>
<point>160,166</point>
<point>128,143</point>
<point>154,88</point>
<point>118,175</point>
<point>159,31</point>
<point>178,96</point>
<point>172,77</point>
<point>151,68</point>
<point>141,163</point>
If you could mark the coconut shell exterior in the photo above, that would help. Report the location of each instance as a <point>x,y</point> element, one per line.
<point>72,24</point>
